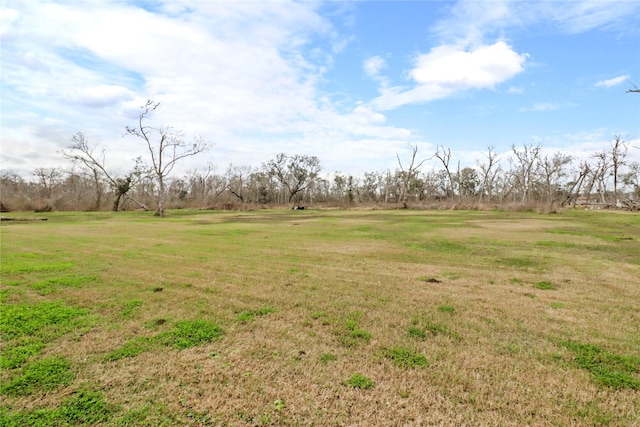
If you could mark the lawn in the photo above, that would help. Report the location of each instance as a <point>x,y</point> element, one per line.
<point>321,317</point>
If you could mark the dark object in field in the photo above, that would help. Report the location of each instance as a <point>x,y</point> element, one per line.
<point>158,289</point>
<point>297,208</point>
<point>7,218</point>
<point>161,322</point>
<point>432,280</point>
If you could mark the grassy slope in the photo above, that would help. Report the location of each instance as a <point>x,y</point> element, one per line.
<point>322,318</point>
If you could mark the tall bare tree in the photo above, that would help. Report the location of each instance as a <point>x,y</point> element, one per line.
<point>524,166</point>
<point>409,174</point>
<point>93,160</point>
<point>445,158</point>
<point>490,171</point>
<point>166,148</point>
<point>551,170</point>
<point>618,154</point>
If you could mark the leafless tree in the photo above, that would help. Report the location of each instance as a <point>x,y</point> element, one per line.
<point>490,171</point>
<point>618,154</point>
<point>166,148</point>
<point>445,158</point>
<point>524,166</point>
<point>237,183</point>
<point>572,194</point>
<point>50,179</point>
<point>81,152</point>
<point>551,170</point>
<point>409,174</point>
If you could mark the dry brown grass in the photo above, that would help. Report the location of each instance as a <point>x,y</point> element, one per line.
<point>494,360</point>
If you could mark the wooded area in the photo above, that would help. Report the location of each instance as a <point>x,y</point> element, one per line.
<point>524,178</point>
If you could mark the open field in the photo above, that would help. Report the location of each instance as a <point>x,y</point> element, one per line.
<point>325,318</point>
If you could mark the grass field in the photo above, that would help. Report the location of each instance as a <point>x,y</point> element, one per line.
<point>325,318</point>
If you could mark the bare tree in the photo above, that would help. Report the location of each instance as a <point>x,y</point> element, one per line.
<point>552,169</point>
<point>166,148</point>
<point>572,194</point>
<point>524,166</point>
<point>50,179</point>
<point>445,158</point>
<point>238,180</point>
<point>618,153</point>
<point>84,154</point>
<point>490,171</point>
<point>296,173</point>
<point>409,174</point>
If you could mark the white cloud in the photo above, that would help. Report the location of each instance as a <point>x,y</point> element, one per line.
<point>449,69</point>
<point>472,21</point>
<point>613,81</point>
<point>540,106</point>
<point>373,65</point>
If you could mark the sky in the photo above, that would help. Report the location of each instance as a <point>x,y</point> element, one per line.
<point>357,84</point>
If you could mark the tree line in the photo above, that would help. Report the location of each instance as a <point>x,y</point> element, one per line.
<point>525,177</point>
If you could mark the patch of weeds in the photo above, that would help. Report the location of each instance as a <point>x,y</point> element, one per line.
<point>417,333</point>
<point>39,265</point>
<point>404,393</point>
<point>49,286</point>
<point>351,335</point>
<point>318,314</point>
<point>190,333</point>
<point>446,309</point>
<point>436,328</point>
<point>83,408</point>
<point>530,295</point>
<point>328,357</point>
<point>26,329</point>
<point>131,349</point>
<point>359,381</point>
<point>45,318</point>
<point>249,315</point>
<point>45,374</point>
<point>129,308</point>
<point>405,357</point>
<point>545,286</point>
<point>556,305</point>
<point>606,369</point>
<point>279,405</point>
<point>516,280</point>
<point>429,279</point>
<point>19,352</point>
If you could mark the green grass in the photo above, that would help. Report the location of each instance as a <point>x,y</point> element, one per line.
<point>249,315</point>
<point>545,286</point>
<point>82,408</point>
<point>405,357</point>
<point>211,317</point>
<point>607,369</point>
<point>359,381</point>
<point>190,333</point>
<point>41,375</point>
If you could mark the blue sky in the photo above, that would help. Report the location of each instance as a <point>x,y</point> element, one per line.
<point>354,83</point>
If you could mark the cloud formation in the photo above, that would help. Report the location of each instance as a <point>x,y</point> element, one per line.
<point>449,69</point>
<point>613,81</point>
